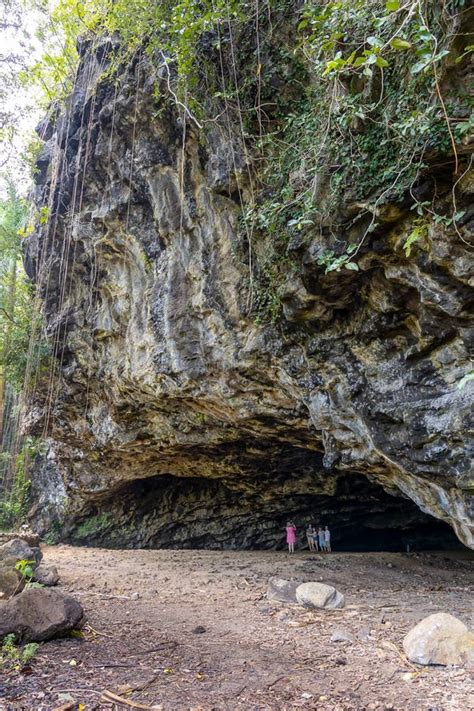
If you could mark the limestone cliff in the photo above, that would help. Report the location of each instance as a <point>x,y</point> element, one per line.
<point>178,418</point>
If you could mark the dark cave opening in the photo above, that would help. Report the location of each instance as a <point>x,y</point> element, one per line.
<point>202,513</point>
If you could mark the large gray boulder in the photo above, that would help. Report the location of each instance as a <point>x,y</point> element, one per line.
<point>440,639</point>
<point>17,549</point>
<point>38,614</point>
<point>319,595</point>
<point>282,590</point>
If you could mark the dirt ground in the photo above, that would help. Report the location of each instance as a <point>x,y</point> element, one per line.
<point>193,630</point>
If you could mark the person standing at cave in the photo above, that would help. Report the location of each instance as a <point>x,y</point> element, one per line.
<point>291,536</point>
<point>315,539</point>
<point>310,537</point>
<point>327,540</point>
<point>322,540</point>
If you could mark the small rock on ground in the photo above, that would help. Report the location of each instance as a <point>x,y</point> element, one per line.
<point>319,595</point>
<point>341,635</point>
<point>47,575</point>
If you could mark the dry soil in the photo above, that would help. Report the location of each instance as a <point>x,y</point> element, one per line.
<point>194,630</point>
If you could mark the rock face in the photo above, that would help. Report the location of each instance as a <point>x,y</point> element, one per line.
<point>174,417</point>
<point>39,614</point>
<point>440,639</point>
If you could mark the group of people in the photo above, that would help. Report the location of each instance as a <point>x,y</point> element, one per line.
<point>319,539</point>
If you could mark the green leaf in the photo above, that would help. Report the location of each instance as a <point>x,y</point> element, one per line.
<point>381,62</point>
<point>398,43</point>
<point>417,233</point>
<point>425,35</point>
<point>392,5</point>
<point>352,266</point>
<point>418,67</point>
<point>374,41</point>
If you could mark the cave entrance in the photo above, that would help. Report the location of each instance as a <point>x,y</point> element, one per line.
<point>177,512</point>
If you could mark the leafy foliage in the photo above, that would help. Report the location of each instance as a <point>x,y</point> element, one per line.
<point>359,119</point>
<point>93,525</point>
<point>26,568</point>
<point>13,657</point>
<point>16,297</point>
<point>15,499</point>
<point>419,231</point>
<point>18,353</point>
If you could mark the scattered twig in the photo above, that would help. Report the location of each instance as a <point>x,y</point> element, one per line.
<point>116,699</point>
<point>390,645</point>
<point>172,644</point>
<point>108,666</point>
<point>89,628</point>
<point>75,691</point>
<point>145,684</point>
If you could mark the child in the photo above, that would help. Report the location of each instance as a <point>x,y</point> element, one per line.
<point>327,539</point>
<point>322,540</point>
<point>310,537</point>
<point>291,536</point>
<point>315,539</point>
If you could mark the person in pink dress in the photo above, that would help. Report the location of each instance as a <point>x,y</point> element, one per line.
<point>291,536</point>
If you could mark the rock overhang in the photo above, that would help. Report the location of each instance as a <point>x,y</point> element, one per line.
<point>167,374</point>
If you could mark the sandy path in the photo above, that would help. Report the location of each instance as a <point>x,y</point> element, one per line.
<point>246,652</point>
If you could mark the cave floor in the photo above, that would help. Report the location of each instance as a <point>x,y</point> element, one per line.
<point>248,653</point>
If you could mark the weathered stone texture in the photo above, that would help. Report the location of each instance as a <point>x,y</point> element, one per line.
<point>162,371</point>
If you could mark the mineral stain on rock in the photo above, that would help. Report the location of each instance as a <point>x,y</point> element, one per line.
<point>175,417</point>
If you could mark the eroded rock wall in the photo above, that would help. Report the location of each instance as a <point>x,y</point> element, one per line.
<point>161,369</point>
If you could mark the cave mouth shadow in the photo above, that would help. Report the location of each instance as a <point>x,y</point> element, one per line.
<point>182,512</point>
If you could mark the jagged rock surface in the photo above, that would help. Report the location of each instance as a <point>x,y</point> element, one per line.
<point>175,418</point>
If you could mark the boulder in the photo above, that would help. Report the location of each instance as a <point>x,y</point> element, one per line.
<point>319,595</point>
<point>47,575</point>
<point>282,590</point>
<point>440,639</point>
<point>38,614</point>
<point>17,549</point>
<point>10,582</point>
